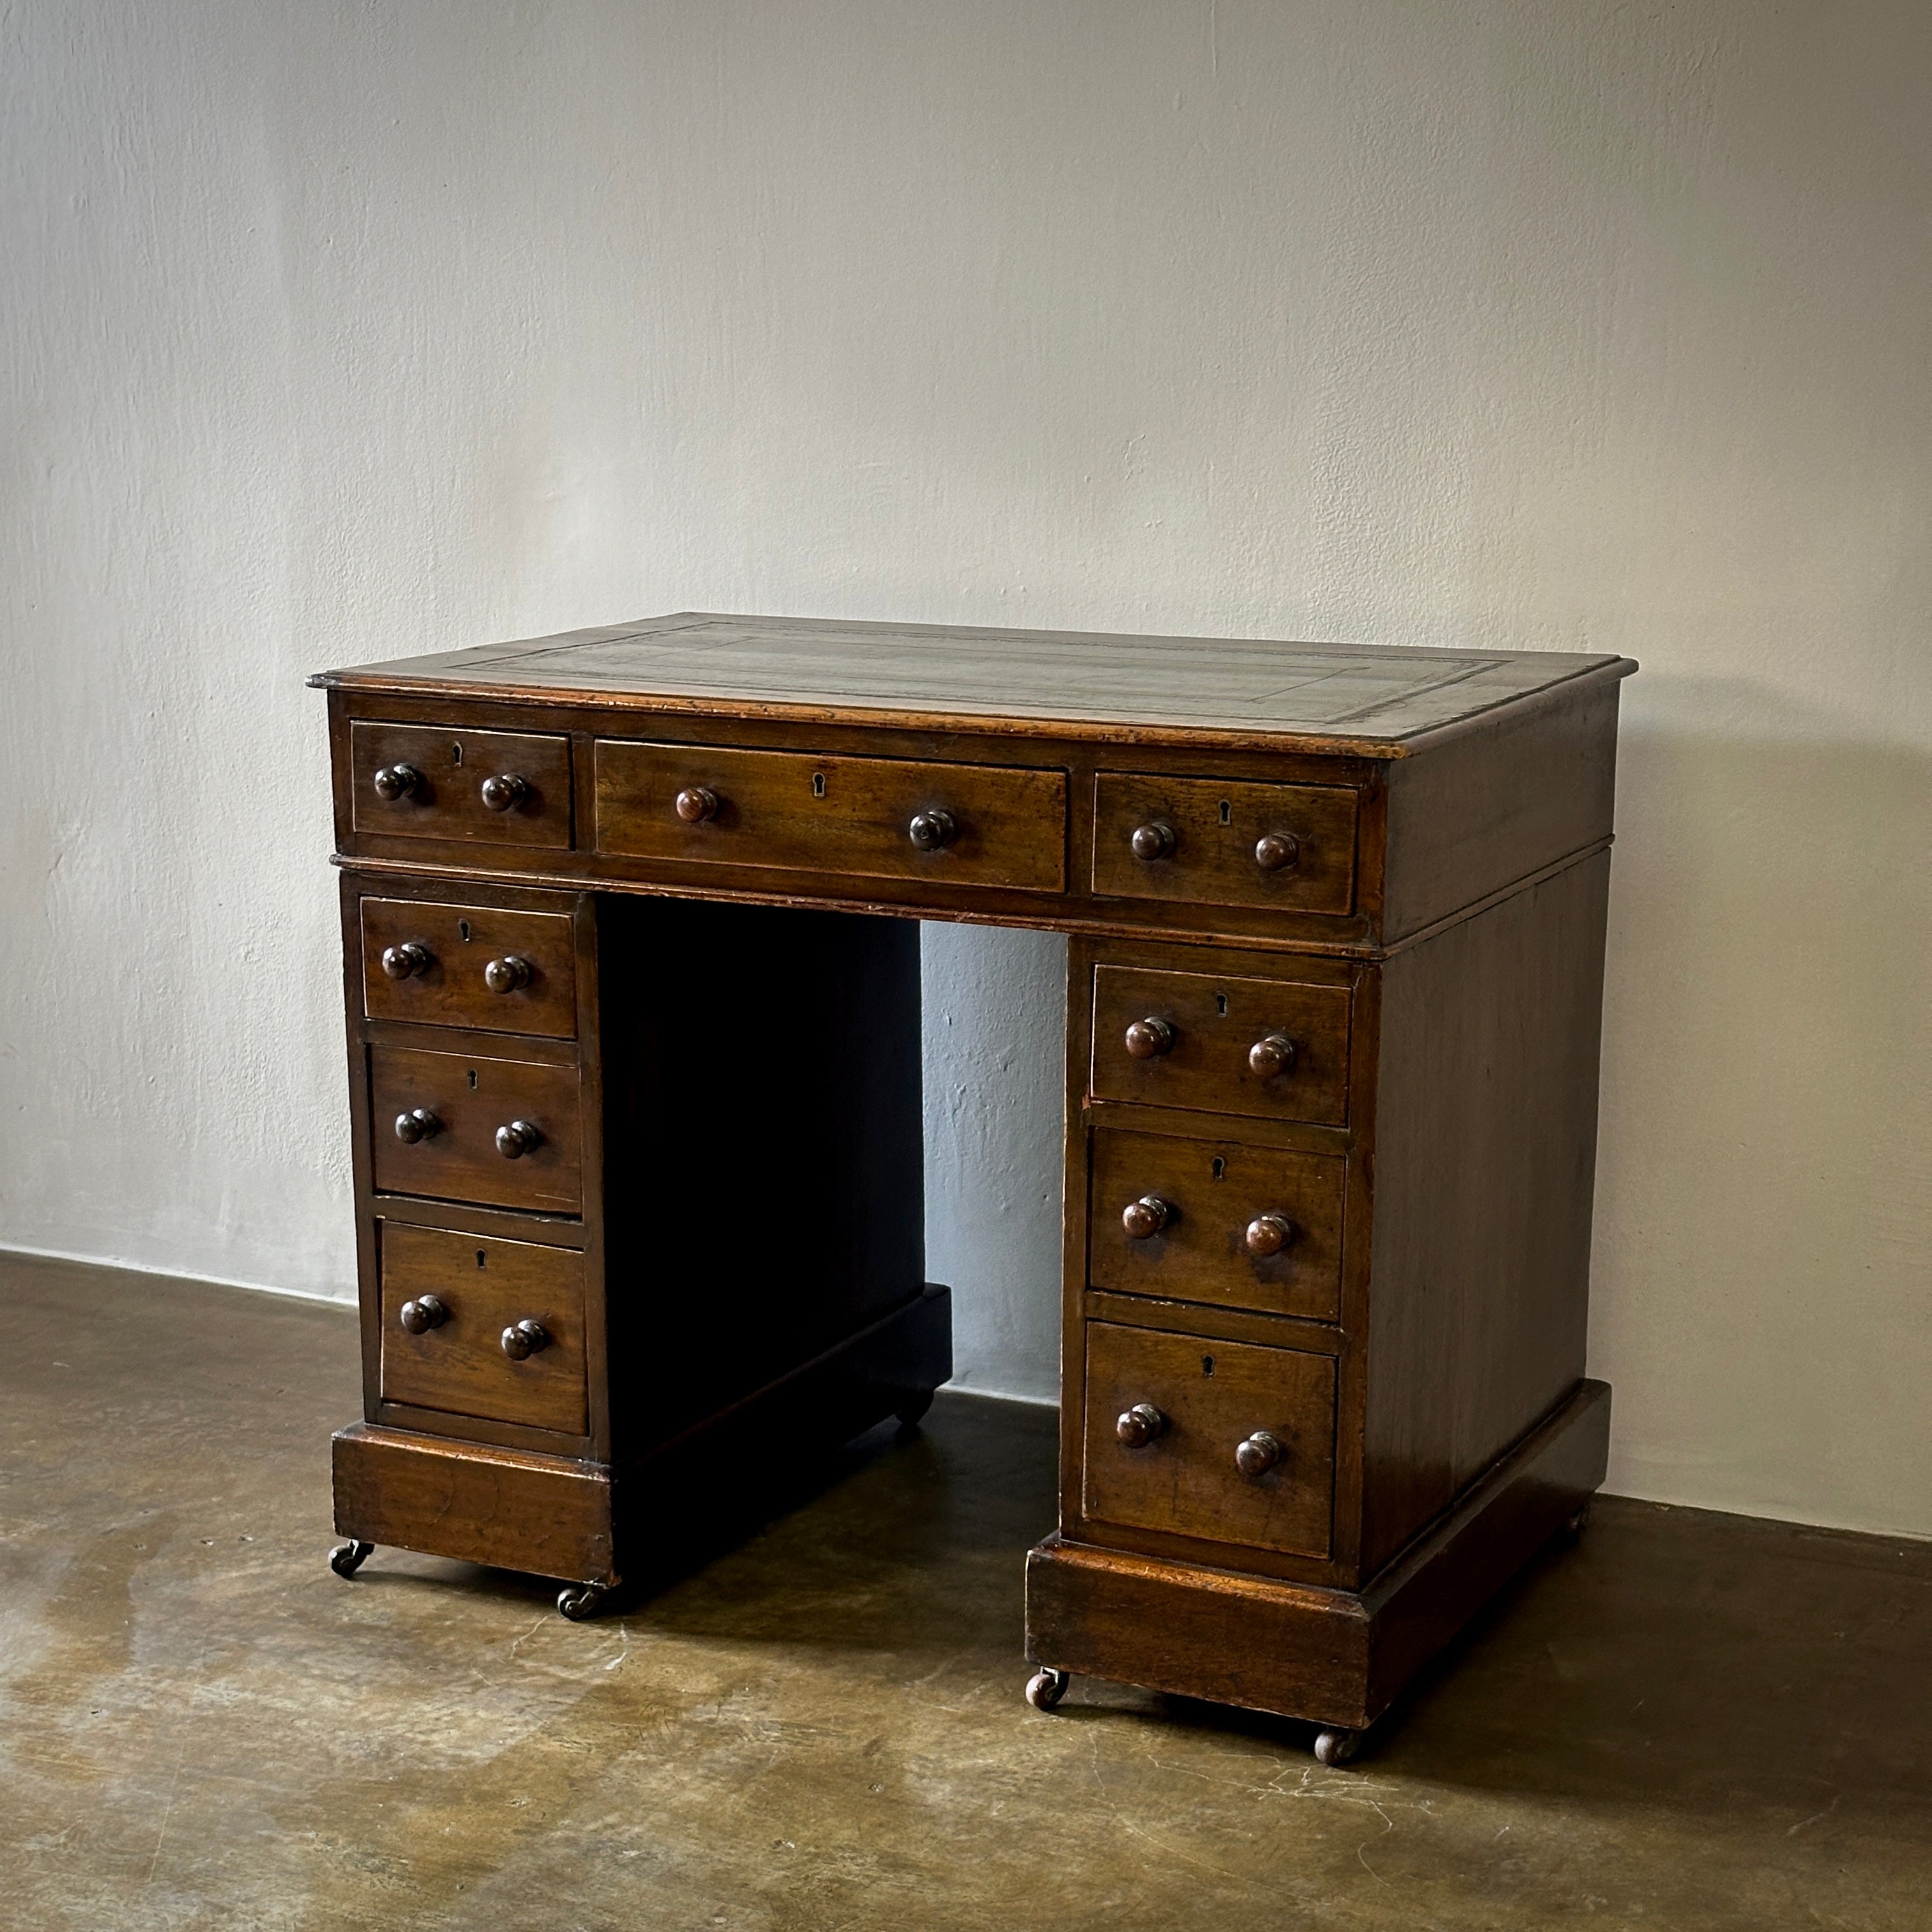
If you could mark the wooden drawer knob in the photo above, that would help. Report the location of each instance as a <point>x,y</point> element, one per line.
<point>418,1124</point>
<point>400,961</point>
<point>517,1139</point>
<point>1146,1217</point>
<point>1140,1425</point>
<point>395,781</point>
<point>1272,1055</point>
<point>933,831</point>
<point>523,1339</point>
<point>1149,1038</point>
<point>419,1316</point>
<point>1277,851</point>
<point>504,792</point>
<point>1152,841</point>
<point>1259,1454</point>
<point>509,974</point>
<point>1269,1233</point>
<point>695,804</point>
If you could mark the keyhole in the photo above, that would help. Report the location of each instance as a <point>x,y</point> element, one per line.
<point>482,1259</point>
<point>462,927</point>
<point>1221,1004</point>
<point>1227,812</point>
<point>456,758</point>
<point>1220,1169</point>
<point>1206,1365</point>
<point>818,784</point>
<point>472,1076</point>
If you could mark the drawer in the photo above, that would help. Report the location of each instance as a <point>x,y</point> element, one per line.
<point>469,966</point>
<point>1202,1209</point>
<point>451,1355</point>
<point>487,787</point>
<point>1176,1469</point>
<point>469,1101</point>
<point>1200,841</point>
<point>1204,1042</point>
<point>975,825</point>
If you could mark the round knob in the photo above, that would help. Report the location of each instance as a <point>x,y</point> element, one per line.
<point>1271,1054</point>
<point>1146,1217</point>
<point>395,781</point>
<point>418,1124</point>
<point>1276,851</point>
<point>1141,1425</point>
<point>1259,1454</point>
<point>516,1140</point>
<point>1269,1233</point>
<point>524,1339</point>
<point>1153,841</point>
<point>931,830</point>
<point>1149,1038</point>
<point>504,791</point>
<point>695,804</point>
<point>400,961</point>
<point>509,974</point>
<point>421,1316</point>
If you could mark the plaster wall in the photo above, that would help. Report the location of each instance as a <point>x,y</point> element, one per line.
<point>328,332</point>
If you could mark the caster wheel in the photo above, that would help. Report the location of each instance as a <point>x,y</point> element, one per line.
<point>912,1411</point>
<point>346,1559</point>
<point>1046,1687</point>
<point>1334,1747</point>
<point>1574,1529</point>
<point>581,1601</point>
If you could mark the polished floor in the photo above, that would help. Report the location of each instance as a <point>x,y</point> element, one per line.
<point>1690,1721</point>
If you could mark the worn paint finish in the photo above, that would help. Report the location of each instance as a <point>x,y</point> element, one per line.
<point>1692,1721</point>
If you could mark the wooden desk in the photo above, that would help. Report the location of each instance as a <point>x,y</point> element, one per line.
<point>632,986</point>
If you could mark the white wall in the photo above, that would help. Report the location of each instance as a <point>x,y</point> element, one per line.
<point>328,332</point>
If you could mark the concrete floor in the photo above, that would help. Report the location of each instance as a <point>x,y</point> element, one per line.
<point>1693,1721</point>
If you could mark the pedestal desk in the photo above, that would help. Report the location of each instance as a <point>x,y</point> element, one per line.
<point>632,984</point>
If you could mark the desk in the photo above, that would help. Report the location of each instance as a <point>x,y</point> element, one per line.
<point>632,988</point>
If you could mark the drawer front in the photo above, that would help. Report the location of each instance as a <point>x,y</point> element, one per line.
<point>1216,1052</point>
<point>454,1156</point>
<point>481,1287</point>
<point>1203,842</point>
<point>469,966</point>
<point>1208,1399</point>
<point>1000,825</point>
<point>427,781</point>
<point>1243,1227</point>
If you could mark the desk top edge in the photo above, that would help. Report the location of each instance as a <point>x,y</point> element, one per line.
<point>1370,700</point>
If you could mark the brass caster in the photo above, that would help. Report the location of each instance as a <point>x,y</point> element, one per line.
<point>346,1559</point>
<point>579,1601</point>
<point>1333,1746</point>
<point>912,1411</point>
<point>1046,1687</point>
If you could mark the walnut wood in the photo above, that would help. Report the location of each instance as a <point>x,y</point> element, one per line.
<point>462,942</point>
<point>1214,1395</point>
<point>1216,1021</point>
<point>461,1161</point>
<point>1216,1189</point>
<point>791,811</point>
<point>445,800</point>
<point>485,1286</point>
<point>1215,849</point>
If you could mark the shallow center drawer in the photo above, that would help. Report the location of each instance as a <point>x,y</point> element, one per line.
<point>1167,1420</point>
<point>469,966</point>
<point>447,1302</point>
<point>887,818</point>
<point>455,1127</point>
<point>1275,1048</point>
<point>1214,1221</point>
